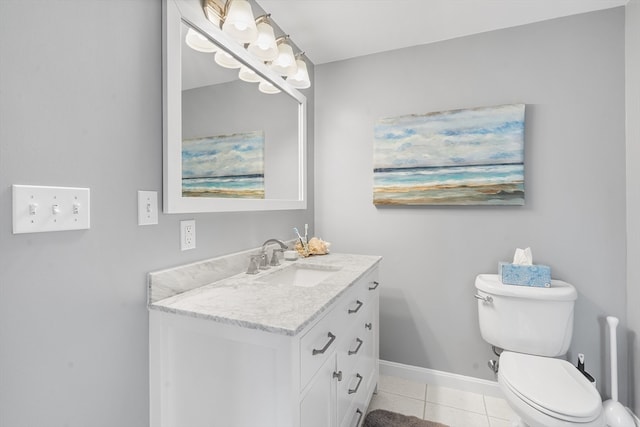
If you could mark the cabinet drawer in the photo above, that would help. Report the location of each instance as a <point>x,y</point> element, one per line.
<point>354,305</point>
<point>358,340</point>
<point>355,418</point>
<point>317,345</point>
<point>361,385</point>
<point>370,283</point>
<point>351,388</point>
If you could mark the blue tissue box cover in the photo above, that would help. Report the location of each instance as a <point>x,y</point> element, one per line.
<point>525,275</point>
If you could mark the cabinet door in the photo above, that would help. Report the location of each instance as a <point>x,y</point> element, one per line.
<point>318,406</point>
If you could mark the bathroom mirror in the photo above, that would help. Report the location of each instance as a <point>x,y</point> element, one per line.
<point>227,145</point>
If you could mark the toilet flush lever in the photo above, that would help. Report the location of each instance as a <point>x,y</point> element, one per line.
<point>488,299</point>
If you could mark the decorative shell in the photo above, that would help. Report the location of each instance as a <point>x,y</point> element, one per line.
<point>315,246</point>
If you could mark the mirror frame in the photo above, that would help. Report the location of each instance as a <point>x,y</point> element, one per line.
<point>191,13</point>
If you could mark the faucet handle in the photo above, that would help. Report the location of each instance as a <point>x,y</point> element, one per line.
<point>254,263</point>
<point>274,257</point>
<point>264,261</point>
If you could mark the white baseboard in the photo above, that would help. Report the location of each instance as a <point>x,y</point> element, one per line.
<point>441,378</point>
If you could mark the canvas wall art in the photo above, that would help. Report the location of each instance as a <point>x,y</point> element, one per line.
<point>224,166</point>
<point>459,157</point>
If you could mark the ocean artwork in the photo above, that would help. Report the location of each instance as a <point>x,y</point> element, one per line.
<point>224,166</point>
<point>459,157</point>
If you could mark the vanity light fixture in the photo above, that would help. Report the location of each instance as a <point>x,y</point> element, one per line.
<point>198,42</point>
<point>239,22</point>
<point>235,17</point>
<point>285,63</point>
<point>300,80</point>
<point>264,46</point>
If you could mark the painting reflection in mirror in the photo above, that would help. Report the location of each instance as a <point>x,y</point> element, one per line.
<point>224,166</point>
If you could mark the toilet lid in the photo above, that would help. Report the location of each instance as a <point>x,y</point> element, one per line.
<point>553,386</point>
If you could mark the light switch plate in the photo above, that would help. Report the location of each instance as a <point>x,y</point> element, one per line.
<point>39,209</point>
<point>147,207</point>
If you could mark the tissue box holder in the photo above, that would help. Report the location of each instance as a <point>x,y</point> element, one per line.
<point>525,275</point>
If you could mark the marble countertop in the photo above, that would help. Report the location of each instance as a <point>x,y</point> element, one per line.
<point>246,300</point>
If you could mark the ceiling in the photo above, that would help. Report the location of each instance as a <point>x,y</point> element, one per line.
<point>333,30</point>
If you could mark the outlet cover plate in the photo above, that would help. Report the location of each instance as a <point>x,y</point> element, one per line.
<point>188,234</point>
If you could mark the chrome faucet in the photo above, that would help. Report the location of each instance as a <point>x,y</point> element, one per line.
<point>264,264</point>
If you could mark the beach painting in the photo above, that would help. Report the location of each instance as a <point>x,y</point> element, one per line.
<point>224,166</point>
<point>459,157</point>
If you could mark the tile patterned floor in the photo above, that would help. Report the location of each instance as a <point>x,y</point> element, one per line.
<point>456,408</point>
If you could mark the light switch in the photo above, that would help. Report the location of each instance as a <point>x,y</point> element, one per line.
<point>147,207</point>
<point>39,209</point>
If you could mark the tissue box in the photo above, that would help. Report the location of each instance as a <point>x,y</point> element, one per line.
<point>525,275</point>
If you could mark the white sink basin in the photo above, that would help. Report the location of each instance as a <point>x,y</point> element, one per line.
<point>300,275</point>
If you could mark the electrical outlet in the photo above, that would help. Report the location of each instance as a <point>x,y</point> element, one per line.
<point>188,234</point>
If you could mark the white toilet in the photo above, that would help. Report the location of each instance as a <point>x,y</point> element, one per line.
<point>533,326</point>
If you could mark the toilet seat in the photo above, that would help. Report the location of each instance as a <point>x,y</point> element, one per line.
<point>552,386</point>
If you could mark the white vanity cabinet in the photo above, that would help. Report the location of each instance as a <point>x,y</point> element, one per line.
<point>209,373</point>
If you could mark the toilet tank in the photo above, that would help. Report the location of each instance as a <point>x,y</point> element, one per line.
<point>526,319</point>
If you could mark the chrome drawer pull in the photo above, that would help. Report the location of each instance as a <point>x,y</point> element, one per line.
<point>326,346</point>
<point>355,310</point>
<point>488,299</point>
<point>359,412</point>
<point>354,390</point>
<point>368,325</point>
<point>375,285</point>
<point>359,341</point>
<point>338,375</point>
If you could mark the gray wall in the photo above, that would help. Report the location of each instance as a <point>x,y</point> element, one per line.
<point>570,74</point>
<point>632,40</point>
<point>81,105</point>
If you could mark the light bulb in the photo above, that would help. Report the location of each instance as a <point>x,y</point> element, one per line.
<point>264,47</point>
<point>285,63</point>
